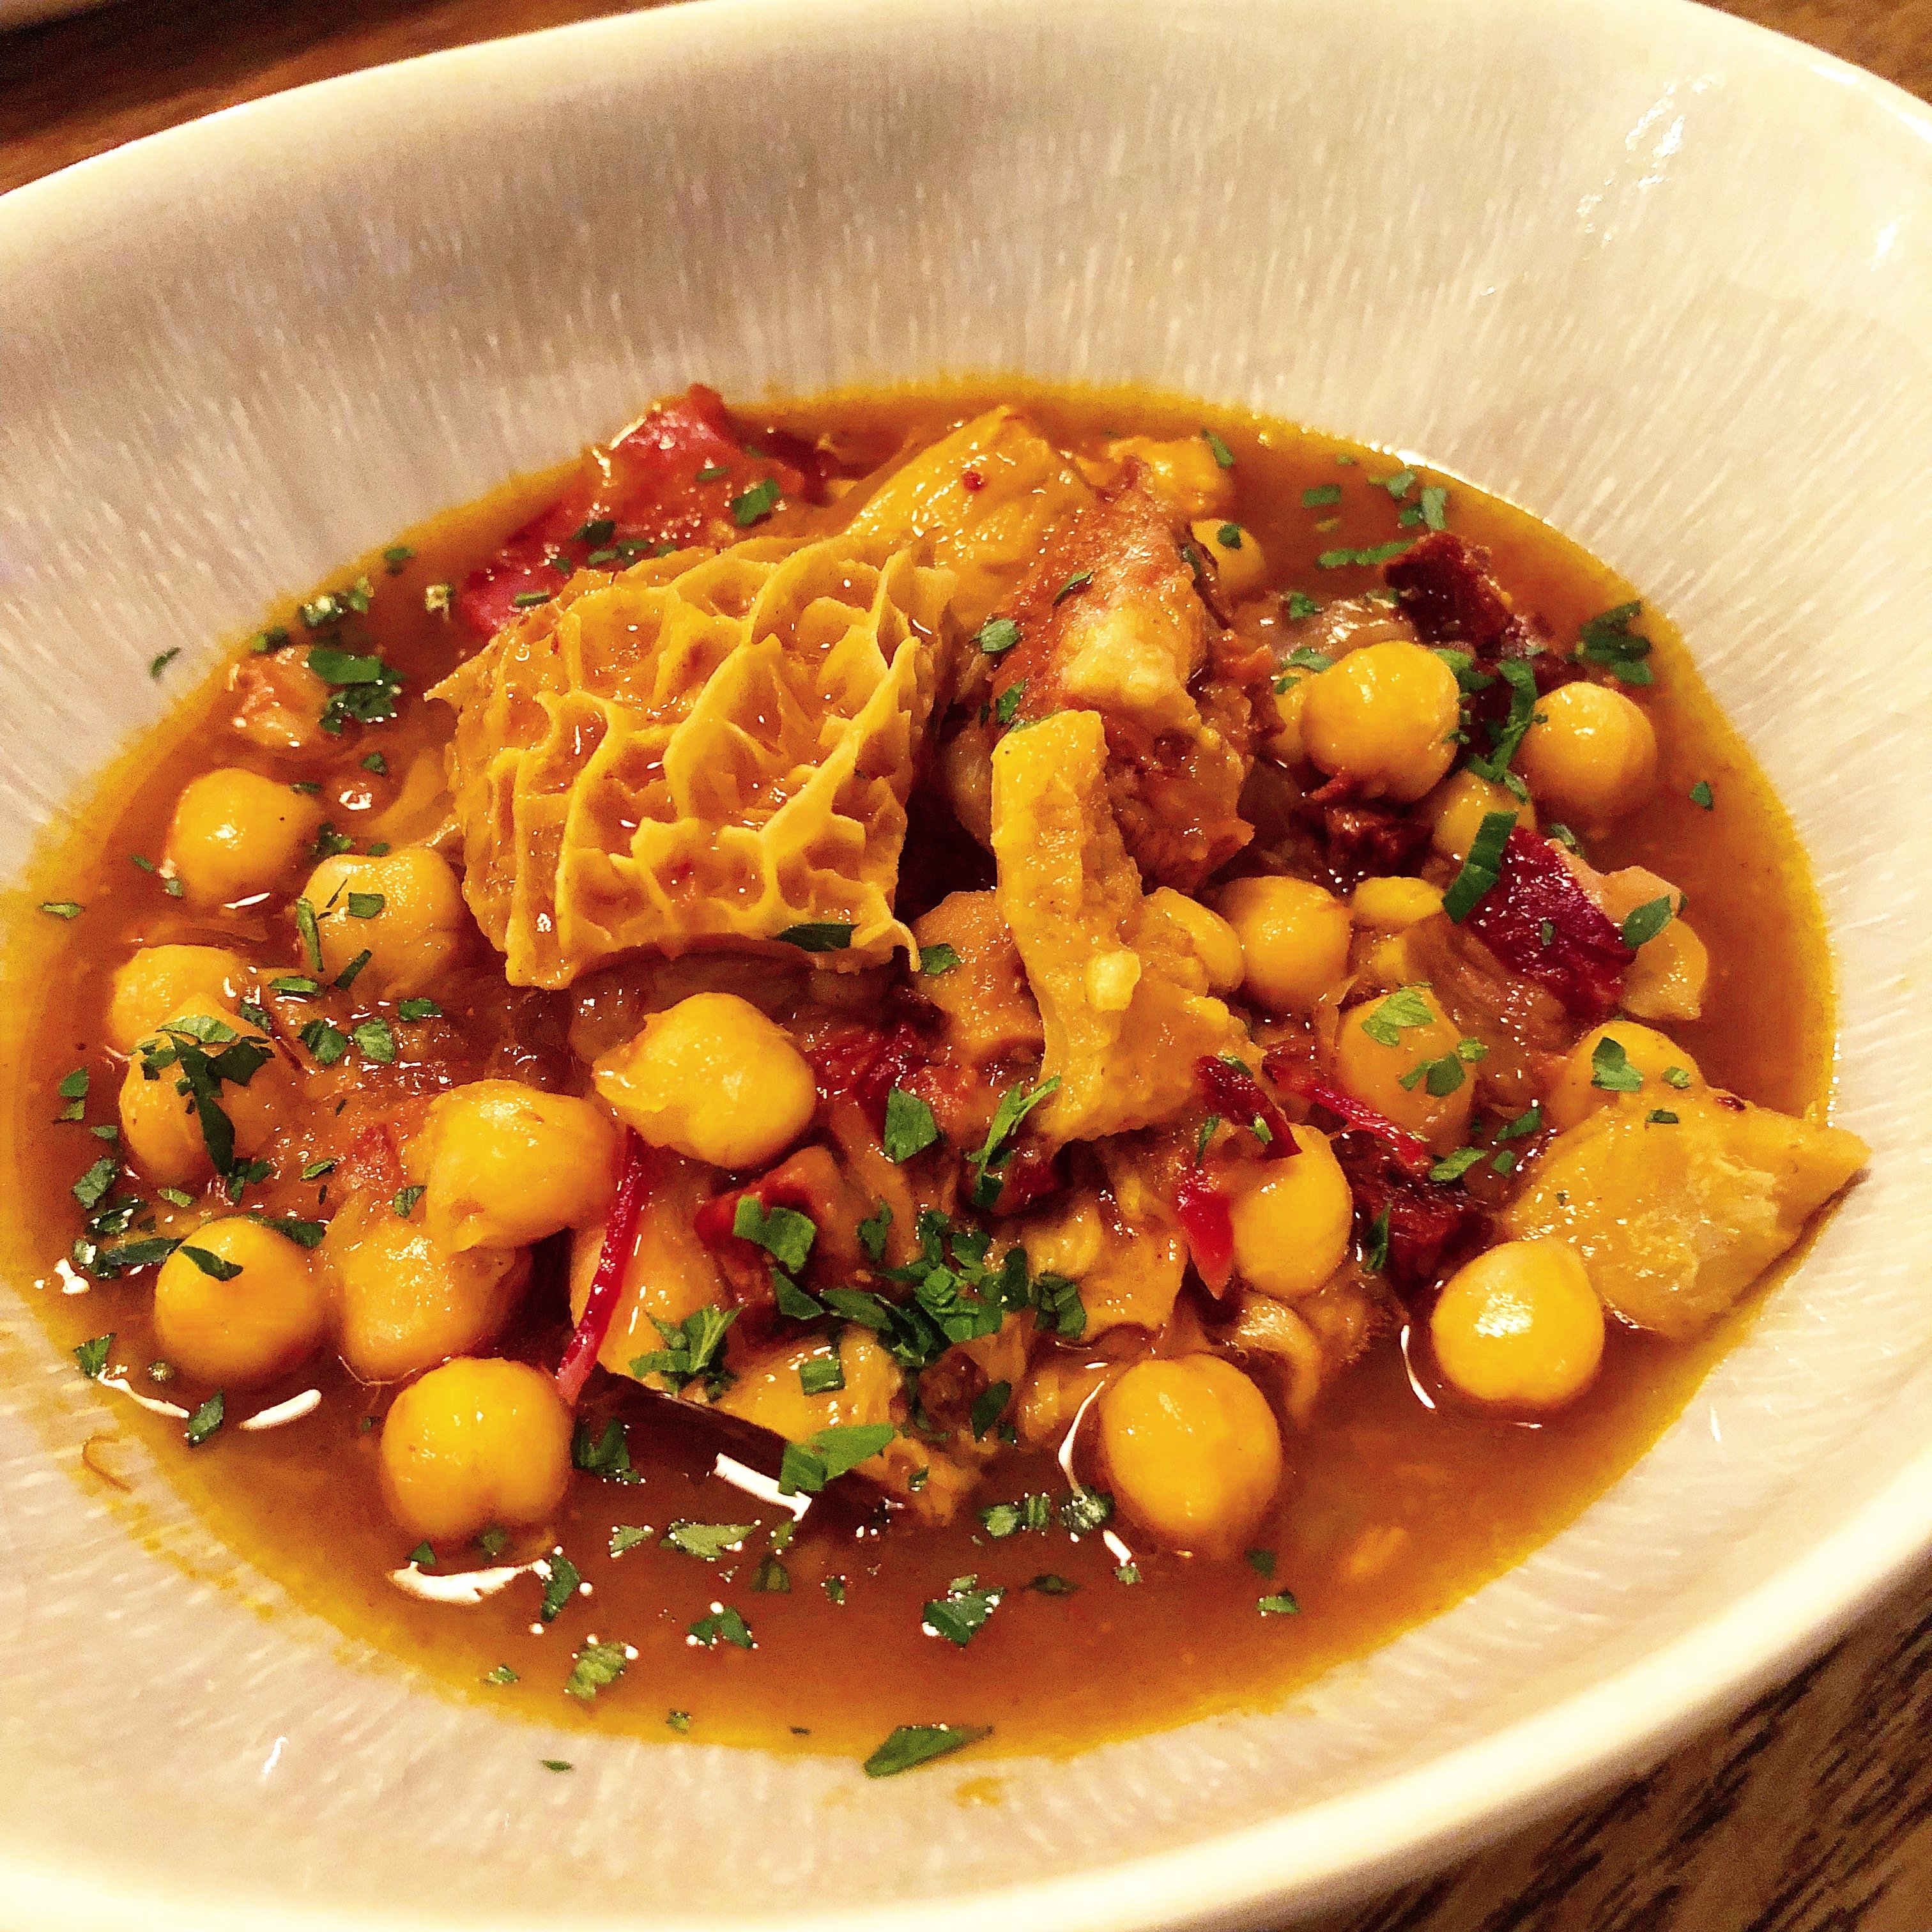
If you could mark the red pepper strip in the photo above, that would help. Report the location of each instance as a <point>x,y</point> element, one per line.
<point>1581,959</point>
<point>646,485</point>
<point>1202,1210</point>
<point>1410,1150</point>
<point>607,1286</point>
<point>1237,1096</point>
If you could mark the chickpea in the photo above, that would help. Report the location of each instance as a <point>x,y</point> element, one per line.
<point>1458,806</point>
<point>713,1078</point>
<point>1386,715</point>
<point>505,1165</point>
<point>161,1131</point>
<point>158,981</point>
<point>1520,1324</point>
<point>1193,1451</point>
<point>1592,755</point>
<point>1285,743</point>
<point>417,932</point>
<point>1240,569</point>
<point>254,1325</point>
<point>1668,980</point>
<point>402,1302</point>
<point>1575,1096</point>
<point>474,1443</point>
<point>236,833</point>
<point>1294,939</point>
<point>1393,904</point>
<point>1384,1076</point>
<point>1293,1219</point>
<point>1209,937</point>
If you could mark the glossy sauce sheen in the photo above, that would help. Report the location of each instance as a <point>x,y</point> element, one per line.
<point>1392,1511</point>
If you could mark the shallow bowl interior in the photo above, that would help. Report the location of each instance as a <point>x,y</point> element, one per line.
<point>1659,277</point>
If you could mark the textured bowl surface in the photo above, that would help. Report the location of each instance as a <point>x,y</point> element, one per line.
<point>1662,278</point>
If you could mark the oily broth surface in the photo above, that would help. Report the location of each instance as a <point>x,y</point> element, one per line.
<point>1391,1511</point>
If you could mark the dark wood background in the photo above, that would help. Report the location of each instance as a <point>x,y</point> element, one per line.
<point>1813,1811</point>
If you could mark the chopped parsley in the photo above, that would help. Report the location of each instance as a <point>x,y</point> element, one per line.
<point>1299,604</point>
<point>62,908</point>
<point>1643,924</point>
<point>395,557</point>
<point>1454,1166</point>
<point>1280,1605</point>
<point>1261,1562</point>
<point>910,1127</point>
<point>560,1586</point>
<point>404,1204</point>
<point>423,1555</point>
<point>607,1455</point>
<point>627,1536</point>
<point>828,1454</point>
<point>1086,1510</point>
<point>92,1356</point>
<point>1607,639</point>
<point>1381,553</point>
<point>1050,1585</point>
<point>311,934</point>
<point>419,1009</point>
<point>934,960</point>
<point>1701,794</point>
<point>72,1089</point>
<point>871,1232</point>
<point>994,1151</point>
<point>1319,495</point>
<point>1008,701</point>
<point>206,1420</point>
<point>997,634</point>
<point>679,1720</point>
<point>1228,536</point>
<point>160,664</point>
<point>501,1674</point>
<point>1375,1246</point>
<point>988,1405</point>
<point>961,1613</point>
<point>215,1267</point>
<point>529,600</point>
<point>1398,485</point>
<point>1402,1010</point>
<point>784,1233</point>
<point>822,1375</point>
<point>1611,1068</point>
<point>691,1350</point>
<point>818,936</point>
<point>374,1041</point>
<point>1529,1121</point>
<point>1508,735</point>
<point>913,1744</point>
<point>707,1541</point>
<point>1677,1076</point>
<point>756,503</point>
<point>366,688</point>
<point>724,1626</point>
<point>1483,869</point>
<point>326,1043</point>
<point>1660,1116</point>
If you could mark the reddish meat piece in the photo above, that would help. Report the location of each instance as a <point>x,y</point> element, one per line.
<point>1451,599</point>
<point>645,486</point>
<point>1583,960</point>
<point>1235,1093</point>
<point>865,1064</point>
<point>1202,1210</point>
<point>1431,1229</point>
<point>1028,1174</point>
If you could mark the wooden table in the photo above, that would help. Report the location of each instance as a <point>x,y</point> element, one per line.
<point>1812,1812</point>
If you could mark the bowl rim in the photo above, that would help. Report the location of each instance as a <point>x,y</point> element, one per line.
<point>1340,1850</point>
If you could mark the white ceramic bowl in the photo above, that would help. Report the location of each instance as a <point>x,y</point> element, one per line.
<point>1661,277</point>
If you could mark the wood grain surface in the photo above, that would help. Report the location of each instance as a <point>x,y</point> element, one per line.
<point>1810,1812</point>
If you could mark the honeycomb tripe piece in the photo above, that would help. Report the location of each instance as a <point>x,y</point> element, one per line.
<point>989,531</point>
<point>1122,995</point>
<point>1677,1208</point>
<point>711,748</point>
